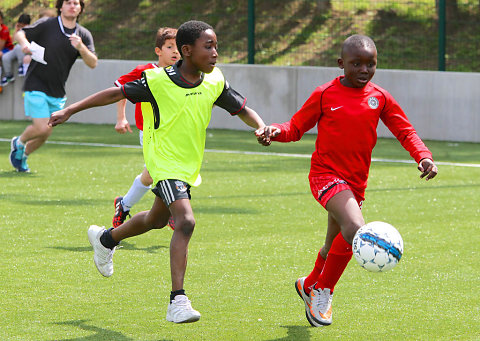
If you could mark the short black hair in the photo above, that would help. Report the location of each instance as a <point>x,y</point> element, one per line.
<point>24,19</point>
<point>59,5</point>
<point>358,41</point>
<point>189,32</point>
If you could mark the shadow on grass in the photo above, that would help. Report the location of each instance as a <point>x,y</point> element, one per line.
<point>123,246</point>
<point>34,201</point>
<point>433,187</point>
<point>249,195</point>
<point>100,333</point>
<point>14,174</point>
<point>295,333</point>
<point>63,202</point>
<point>225,210</point>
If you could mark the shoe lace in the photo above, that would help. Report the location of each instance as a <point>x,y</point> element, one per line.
<point>108,256</point>
<point>120,215</point>
<point>322,300</point>
<point>183,302</point>
<point>110,253</point>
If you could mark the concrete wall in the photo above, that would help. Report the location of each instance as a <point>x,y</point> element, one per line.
<point>440,105</point>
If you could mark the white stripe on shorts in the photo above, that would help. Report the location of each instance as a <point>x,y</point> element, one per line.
<point>167,191</point>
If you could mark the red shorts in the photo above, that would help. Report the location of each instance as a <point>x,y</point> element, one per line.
<point>325,187</point>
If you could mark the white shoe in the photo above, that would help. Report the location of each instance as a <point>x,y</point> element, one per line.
<point>299,286</point>
<point>180,310</point>
<point>321,306</point>
<point>102,255</point>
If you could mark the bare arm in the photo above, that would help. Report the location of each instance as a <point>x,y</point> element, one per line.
<point>22,40</point>
<point>251,118</point>
<point>101,98</point>
<point>88,56</point>
<point>122,125</point>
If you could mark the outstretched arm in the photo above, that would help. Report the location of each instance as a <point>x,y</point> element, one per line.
<point>251,118</point>
<point>101,98</point>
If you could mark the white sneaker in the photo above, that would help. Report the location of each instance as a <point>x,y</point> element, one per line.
<point>321,306</point>
<point>102,255</point>
<point>299,286</point>
<point>180,310</point>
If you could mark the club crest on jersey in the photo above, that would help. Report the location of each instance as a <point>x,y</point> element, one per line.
<point>180,186</point>
<point>373,102</point>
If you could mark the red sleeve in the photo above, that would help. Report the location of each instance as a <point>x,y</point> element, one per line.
<point>304,119</point>
<point>133,75</point>
<point>5,35</point>
<point>397,122</point>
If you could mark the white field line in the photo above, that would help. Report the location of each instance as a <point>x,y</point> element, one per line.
<point>455,164</point>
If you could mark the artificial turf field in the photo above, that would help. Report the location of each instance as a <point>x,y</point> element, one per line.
<point>258,230</point>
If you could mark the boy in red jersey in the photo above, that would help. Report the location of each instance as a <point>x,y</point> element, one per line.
<point>166,50</point>
<point>346,112</point>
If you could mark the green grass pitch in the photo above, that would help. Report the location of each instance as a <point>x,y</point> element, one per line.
<point>258,230</point>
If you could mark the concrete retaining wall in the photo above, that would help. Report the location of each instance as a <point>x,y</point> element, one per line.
<point>440,105</point>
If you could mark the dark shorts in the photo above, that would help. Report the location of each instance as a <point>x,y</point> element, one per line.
<point>325,187</point>
<point>170,190</point>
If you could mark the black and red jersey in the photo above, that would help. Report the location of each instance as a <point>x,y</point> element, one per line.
<point>132,76</point>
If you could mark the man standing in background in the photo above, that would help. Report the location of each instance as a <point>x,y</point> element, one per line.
<point>64,41</point>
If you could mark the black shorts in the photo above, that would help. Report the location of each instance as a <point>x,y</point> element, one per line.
<point>170,190</point>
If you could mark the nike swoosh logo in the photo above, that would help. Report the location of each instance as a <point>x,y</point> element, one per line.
<point>333,109</point>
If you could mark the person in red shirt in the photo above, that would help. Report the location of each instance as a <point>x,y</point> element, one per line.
<point>6,43</point>
<point>166,50</point>
<point>346,111</point>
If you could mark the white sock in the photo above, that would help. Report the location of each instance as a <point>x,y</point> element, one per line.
<point>25,68</point>
<point>134,194</point>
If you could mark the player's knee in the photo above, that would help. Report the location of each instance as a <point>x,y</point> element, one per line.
<point>185,224</point>
<point>146,179</point>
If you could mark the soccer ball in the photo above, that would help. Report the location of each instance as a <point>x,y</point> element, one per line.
<point>377,246</point>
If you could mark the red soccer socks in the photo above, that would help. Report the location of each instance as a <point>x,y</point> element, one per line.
<point>311,279</point>
<point>335,264</point>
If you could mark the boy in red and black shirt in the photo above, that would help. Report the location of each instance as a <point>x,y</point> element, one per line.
<point>166,50</point>
<point>346,111</point>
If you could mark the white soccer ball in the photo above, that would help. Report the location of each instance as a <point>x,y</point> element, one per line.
<point>377,246</point>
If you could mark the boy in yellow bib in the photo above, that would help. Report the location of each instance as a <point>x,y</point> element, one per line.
<point>180,100</point>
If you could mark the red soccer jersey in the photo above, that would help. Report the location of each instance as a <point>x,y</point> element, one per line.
<point>133,76</point>
<point>5,35</point>
<point>347,120</point>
